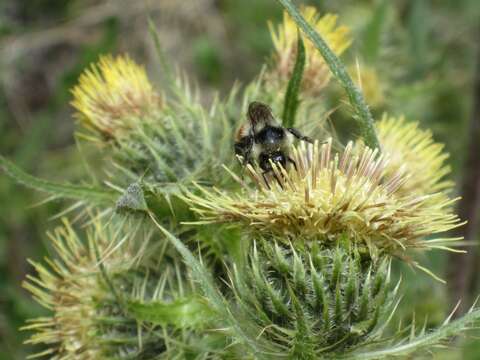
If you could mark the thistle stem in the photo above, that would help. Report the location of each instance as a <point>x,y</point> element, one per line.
<point>362,113</point>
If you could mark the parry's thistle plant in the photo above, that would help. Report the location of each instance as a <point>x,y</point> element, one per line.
<point>205,257</point>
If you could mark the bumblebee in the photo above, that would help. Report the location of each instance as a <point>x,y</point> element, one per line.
<point>263,140</point>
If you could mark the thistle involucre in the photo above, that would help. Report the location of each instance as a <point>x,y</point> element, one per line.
<point>312,304</point>
<point>351,194</point>
<point>316,74</point>
<point>111,95</point>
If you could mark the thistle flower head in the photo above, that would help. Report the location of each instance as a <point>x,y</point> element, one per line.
<point>316,73</point>
<point>73,288</point>
<point>112,95</point>
<point>351,194</point>
<point>415,152</point>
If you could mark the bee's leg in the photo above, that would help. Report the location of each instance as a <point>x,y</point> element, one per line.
<point>299,135</point>
<point>264,175</point>
<point>293,163</point>
<point>243,148</point>
<point>274,175</point>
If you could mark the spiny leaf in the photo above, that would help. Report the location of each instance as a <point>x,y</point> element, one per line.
<point>362,113</point>
<point>84,193</point>
<point>291,97</point>
<point>420,342</point>
<point>187,312</point>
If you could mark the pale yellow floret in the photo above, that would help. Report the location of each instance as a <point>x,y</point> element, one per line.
<point>351,194</point>
<point>414,150</point>
<point>112,94</point>
<point>316,73</point>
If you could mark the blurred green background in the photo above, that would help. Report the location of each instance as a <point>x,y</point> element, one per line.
<point>424,54</point>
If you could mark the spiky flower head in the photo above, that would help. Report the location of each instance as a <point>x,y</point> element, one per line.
<point>87,321</point>
<point>413,151</point>
<point>112,95</point>
<point>351,194</point>
<point>316,73</point>
<point>309,305</point>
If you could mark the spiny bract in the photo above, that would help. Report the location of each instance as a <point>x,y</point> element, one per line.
<point>312,304</point>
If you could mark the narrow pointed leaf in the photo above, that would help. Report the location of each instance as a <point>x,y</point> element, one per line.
<point>290,105</point>
<point>362,113</point>
<point>84,193</point>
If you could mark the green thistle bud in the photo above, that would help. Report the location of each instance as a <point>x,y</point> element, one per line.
<point>323,301</point>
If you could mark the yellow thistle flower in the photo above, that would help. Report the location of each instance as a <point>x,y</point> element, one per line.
<point>316,73</point>
<point>112,94</point>
<point>414,150</point>
<point>352,194</point>
<point>73,288</point>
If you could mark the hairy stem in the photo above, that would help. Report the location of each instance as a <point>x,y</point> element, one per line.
<point>362,113</point>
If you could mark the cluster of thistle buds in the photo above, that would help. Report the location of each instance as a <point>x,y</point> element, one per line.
<point>293,262</point>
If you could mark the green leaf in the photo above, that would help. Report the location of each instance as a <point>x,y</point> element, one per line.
<point>339,71</point>
<point>291,97</point>
<point>188,312</point>
<point>423,341</point>
<point>84,193</point>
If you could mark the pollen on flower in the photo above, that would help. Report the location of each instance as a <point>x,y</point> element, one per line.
<point>284,37</point>
<point>111,95</point>
<point>414,150</point>
<point>351,194</point>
